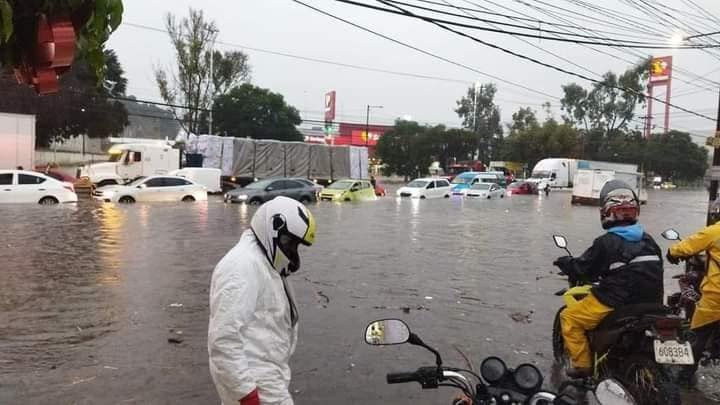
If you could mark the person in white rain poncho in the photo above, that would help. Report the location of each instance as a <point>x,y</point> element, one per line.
<point>253,317</point>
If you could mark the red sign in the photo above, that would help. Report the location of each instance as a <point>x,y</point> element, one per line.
<point>660,69</point>
<point>330,106</point>
<point>360,138</point>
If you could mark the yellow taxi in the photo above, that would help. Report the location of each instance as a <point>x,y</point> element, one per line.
<point>348,190</point>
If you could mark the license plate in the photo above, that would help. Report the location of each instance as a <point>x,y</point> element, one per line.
<point>673,352</point>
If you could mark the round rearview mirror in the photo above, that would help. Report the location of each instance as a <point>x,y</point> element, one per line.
<point>387,332</point>
<point>560,241</point>
<point>611,392</point>
<point>671,234</point>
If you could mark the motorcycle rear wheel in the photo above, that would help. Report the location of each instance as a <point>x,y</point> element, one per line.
<point>647,381</point>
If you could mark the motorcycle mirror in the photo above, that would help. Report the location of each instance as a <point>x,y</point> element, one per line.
<point>387,332</point>
<point>671,234</point>
<point>560,241</point>
<point>612,392</point>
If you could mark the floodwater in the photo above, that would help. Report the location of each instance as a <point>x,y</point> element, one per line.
<point>90,294</point>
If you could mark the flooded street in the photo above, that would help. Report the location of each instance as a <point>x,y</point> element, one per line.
<point>90,294</point>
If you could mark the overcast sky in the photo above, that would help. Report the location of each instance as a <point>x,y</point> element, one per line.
<point>287,27</point>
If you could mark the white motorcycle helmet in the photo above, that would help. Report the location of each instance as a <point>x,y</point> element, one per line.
<point>281,225</point>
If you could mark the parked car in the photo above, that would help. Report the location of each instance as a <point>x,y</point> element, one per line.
<point>20,186</point>
<point>462,182</point>
<point>522,187</point>
<point>153,188</point>
<point>265,190</point>
<point>318,187</point>
<point>56,174</point>
<point>348,190</point>
<point>425,188</point>
<point>486,190</point>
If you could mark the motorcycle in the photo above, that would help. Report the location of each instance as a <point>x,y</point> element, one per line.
<point>631,345</point>
<point>683,303</point>
<point>495,385</point>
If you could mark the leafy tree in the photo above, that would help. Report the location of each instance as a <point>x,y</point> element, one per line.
<point>401,152</point>
<point>80,107</point>
<point>93,20</point>
<point>114,81</point>
<point>250,111</point>
<point>610,104</point>
<point>192,85</point>
<point>481,115</point>
<point>530,141</point>
<point>675,155</point>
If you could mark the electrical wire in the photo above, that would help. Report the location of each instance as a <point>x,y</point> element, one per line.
<point>625,44</point>
<point>559,69</point>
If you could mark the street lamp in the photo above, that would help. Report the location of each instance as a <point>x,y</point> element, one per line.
<point>367,123</point>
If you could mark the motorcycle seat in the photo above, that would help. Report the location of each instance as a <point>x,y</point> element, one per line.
<point>631,312</point>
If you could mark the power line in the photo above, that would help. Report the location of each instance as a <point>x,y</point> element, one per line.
<point>623,44</point>
<point>559,69</point>
<point>424,52</point>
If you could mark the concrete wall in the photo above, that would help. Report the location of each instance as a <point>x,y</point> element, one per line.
<point>44,156</point>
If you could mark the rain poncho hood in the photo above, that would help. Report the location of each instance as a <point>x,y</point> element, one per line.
<point>631,233</point>
<point>251,334</point>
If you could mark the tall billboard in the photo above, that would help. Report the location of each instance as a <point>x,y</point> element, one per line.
<point>660,69</point>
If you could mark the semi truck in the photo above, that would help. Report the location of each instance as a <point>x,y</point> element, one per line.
<point>237,160</point>
<point>560,172</point>
<point>17,141</point>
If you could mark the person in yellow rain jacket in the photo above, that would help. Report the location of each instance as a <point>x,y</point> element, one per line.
<point>707,310</point>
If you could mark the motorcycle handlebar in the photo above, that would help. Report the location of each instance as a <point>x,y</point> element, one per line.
<point>399,378</point>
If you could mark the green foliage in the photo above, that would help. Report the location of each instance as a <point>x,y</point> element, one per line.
<point>94,21</point>
<point>610,104</point>
<point>192,84</point>
<point>409,148</point>
<point>250,111</point>
<point>481,116</point>
<point>674,155</point>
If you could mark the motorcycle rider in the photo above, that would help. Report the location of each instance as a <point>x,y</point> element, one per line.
<point>707,310</point>
<point>253,317</point>
<point>626,261</point>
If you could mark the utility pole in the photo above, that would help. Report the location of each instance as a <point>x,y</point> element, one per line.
<point>715,163</point>
<point>367,123</point>
<point>212,80</point>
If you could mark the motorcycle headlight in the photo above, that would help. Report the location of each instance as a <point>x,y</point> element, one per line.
<point>528,377</point>
<point>493,369</point>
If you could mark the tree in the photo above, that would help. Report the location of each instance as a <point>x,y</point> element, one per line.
<point>674,155</point>
<point>193,86</point>
<point>92,20</point>
<point>401,152</point>
<point>250,111</point>
<point>530,142</point>
<point>481,116</point>
<point>114,81</point>
<point>79,108</point>
<point>611,103</point>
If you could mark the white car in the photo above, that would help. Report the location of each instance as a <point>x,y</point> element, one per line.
<point>425,188</point>
<point>20,186</point>
<point>486,190</point>
<point>153,188</point>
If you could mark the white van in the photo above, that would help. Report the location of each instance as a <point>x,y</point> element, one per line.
<point>210,178</point>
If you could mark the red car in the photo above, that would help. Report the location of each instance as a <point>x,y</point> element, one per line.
<point>56,174</point>
<point>522,187</point>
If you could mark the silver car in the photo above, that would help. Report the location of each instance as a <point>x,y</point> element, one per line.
<point>265,190</point>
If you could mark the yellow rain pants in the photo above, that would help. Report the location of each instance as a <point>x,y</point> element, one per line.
<point>708,239</point>
<point>576,320</point>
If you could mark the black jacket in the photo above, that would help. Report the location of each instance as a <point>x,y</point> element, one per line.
<point>628,272</point>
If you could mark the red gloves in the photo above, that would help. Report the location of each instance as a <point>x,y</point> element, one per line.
<point>251,399</point>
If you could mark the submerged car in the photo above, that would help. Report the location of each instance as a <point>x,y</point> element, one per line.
<point>20,186</point>
<point>486,190</point>
<point>522,187</point>
<point>265,190</point>
<point>425,188</point>
<point>153,188</point>
<point>348,190</point>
